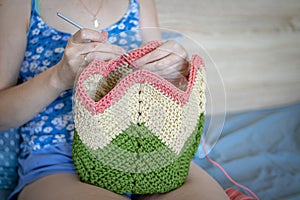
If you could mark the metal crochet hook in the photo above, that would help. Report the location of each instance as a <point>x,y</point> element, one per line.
<point>69,20</point>
<point>77,25</point>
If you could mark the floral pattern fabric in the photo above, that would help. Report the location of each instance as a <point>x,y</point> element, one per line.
<point>45,47</point>
<point>9,142</point>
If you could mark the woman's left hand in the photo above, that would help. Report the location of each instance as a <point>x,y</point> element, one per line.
<point>168,61</point>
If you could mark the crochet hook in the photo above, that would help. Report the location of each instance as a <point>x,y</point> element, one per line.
<point>69,20</point>
<point>77,25</point>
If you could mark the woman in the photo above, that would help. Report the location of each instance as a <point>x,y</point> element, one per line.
<point>41,56</point>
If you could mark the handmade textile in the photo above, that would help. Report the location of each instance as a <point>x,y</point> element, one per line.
<point>135,132</point>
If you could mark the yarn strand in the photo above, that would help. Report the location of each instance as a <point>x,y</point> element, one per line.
<point>229,191</point>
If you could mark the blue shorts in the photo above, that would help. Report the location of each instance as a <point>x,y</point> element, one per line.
<point>51,160</point>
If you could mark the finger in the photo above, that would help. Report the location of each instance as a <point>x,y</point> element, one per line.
<point>172,74</point>
<point>99,55</point>
<point>84,35</point>
<point>167,48</point>
<point>81,48</point>
<point>106,48</point>
<point>151,57</point>
<point>170,62</point>
<point>176,48</point>
<point>173,69</point>
<point>77,49</point>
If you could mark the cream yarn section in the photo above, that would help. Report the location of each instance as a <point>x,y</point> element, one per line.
<point>142,103</point>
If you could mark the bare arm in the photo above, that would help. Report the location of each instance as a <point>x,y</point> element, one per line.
<point>12,48</point>
<point>13,22</point>
<point>19,103</point>
<point>169,60</point>
<point>148,21</point>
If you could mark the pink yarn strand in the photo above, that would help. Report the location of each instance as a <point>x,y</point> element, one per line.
<point>229,177</point>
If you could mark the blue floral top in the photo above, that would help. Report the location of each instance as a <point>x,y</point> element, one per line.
<point>45,47</point>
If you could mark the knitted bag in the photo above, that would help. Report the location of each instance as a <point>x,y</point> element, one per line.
<point>135,132</point>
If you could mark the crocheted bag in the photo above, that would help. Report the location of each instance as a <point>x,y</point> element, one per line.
<point>135,132</point>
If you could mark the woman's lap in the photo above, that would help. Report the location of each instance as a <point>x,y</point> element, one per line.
<point>199,185</point>
<point>36,165</point>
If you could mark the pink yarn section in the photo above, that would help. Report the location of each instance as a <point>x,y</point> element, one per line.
<point>104,68</point>
<point>234,194</point>
<point>140,77</point>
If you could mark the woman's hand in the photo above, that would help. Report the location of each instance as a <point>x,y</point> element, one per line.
<point>83,47</point>
<point>168,61</point>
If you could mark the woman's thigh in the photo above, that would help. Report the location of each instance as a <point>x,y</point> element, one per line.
<point>198,185</point>
<point>65,186</point>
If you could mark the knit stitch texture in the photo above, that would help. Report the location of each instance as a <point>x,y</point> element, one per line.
<point>135,132</point>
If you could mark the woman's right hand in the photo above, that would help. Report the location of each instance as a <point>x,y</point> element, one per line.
<point>83,47</point>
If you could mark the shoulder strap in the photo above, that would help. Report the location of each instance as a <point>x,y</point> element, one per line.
<point>35,5</point>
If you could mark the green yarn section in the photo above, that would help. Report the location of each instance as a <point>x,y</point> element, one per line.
<point>136,150</point>
<point>136,162</point>
<point>137,138</point>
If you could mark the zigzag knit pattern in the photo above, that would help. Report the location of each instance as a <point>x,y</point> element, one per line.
<point>135,132</point>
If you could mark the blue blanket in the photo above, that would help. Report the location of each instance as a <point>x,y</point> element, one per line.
<point>260,149</point>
